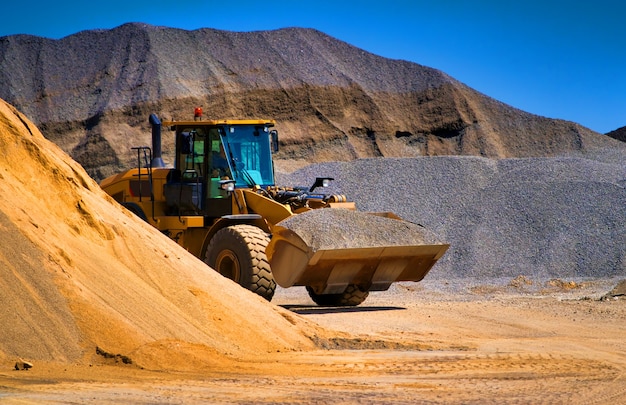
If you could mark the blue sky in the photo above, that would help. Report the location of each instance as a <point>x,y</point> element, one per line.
<point>559,59</point>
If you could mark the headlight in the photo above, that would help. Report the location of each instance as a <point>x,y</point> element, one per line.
<point>321,182</point>
<point>227,185</point>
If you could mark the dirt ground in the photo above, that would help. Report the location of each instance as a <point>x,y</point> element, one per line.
<point>413,343</point>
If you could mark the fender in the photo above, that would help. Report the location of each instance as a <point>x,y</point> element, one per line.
<point>228,220</point>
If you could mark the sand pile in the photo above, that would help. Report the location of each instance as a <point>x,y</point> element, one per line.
<point>81,280</point>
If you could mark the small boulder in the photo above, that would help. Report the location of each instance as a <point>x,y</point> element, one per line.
<point>22,364</point>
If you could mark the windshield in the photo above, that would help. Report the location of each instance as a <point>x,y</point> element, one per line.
<point>248,149</point>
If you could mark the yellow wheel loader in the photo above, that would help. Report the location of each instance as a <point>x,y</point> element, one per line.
<point>219,201</point>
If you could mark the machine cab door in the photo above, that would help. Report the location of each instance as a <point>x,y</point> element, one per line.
<point>218,167</point>
<point>185,193</point>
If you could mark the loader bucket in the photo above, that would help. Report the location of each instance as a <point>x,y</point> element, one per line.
<point>329,249</point>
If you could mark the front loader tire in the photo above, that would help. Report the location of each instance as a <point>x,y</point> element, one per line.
<point>238,252</point>
<point>352,297</point>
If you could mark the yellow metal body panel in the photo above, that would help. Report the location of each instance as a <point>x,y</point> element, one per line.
<point>176,222</point>
<point>272,211</point>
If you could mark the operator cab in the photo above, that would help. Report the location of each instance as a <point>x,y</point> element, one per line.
<point>212,154</point>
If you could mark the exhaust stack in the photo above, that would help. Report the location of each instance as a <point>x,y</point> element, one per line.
<point>157,160</point>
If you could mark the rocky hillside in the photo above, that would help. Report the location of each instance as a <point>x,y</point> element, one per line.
<point>92,92</point>
<point>619,134</point>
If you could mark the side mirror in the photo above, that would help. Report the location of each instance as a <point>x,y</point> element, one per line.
<point>186,143</point>
<point>274,140</point>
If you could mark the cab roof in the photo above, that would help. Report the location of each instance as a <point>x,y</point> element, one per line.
<point>270,123</point>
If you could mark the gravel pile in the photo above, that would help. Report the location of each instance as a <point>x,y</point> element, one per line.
<point>91,94</point>
<point>340,229</point>
<point>538,217</point>
<point>92,72</point>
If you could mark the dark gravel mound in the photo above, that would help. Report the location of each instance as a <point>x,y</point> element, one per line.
<point>619,134</point>
<point>540,217</point>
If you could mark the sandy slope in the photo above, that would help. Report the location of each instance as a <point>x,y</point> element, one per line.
<point>79,273</point>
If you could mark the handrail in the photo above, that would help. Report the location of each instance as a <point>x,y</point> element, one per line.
<point>147,155</point>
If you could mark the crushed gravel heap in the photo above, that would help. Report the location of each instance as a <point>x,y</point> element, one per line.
<point>540,217</point>
<point>331,100</point>
<point>341,229</point>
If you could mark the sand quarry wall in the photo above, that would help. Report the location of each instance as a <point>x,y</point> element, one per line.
<point>77,273</point>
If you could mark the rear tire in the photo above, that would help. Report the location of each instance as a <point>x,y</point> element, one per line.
<point>352,297</point>
<point>238,252</point>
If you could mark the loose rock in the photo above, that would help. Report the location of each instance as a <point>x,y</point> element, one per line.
<point>22,364</point>
<point>342,228</point>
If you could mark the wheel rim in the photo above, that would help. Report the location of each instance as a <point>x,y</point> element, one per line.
<point>227,265</point>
